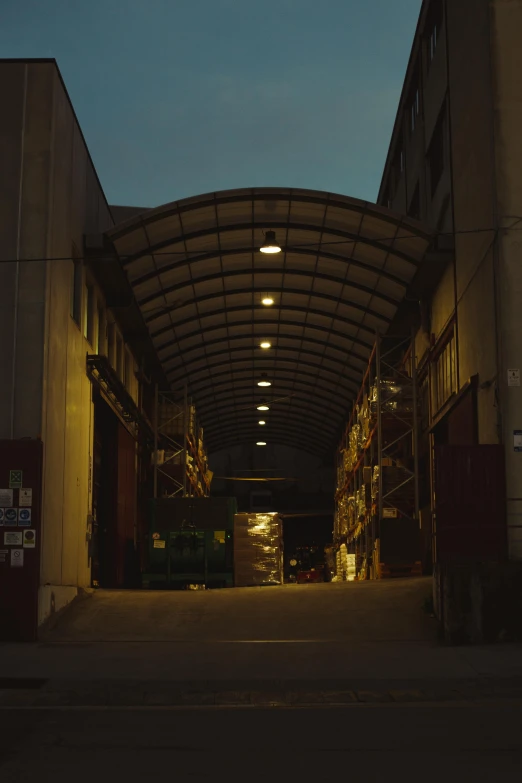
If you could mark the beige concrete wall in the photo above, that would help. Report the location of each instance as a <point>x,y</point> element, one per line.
<point>471,132</point>
<point>50,197</point>
<point>506,23</point>
<point>76,205</point>
<point>25,134</point>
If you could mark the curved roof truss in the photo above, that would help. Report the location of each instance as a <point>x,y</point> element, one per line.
<point>198,277</point>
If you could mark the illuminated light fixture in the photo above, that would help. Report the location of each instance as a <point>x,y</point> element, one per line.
<point>265,345</point>
<point>267,301</point>
<point>263,407</point>
<point>264,380</point>
<point>260,443</point>
<point>261,422</point>
<point>270,244</point>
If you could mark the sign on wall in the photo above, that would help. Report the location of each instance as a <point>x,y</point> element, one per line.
<point>6,498</point>
<point>10,517</point>
<point>25,497</point>
<point>17,558</point>
<point>29,539</point>
<point>15,479</point>
<point>24,517</point>
<point>13,539</point>
<point>513,377</point>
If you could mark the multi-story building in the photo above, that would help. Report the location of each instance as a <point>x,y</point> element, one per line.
<point>455,164</point>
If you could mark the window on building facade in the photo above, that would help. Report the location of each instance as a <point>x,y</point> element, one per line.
<point>101,331</point>
<point>436,153</point>
<point>111,344</point>
<point>120,365</point>
<point>444,381</point>
<point>433,28</point>
<point>424,403</point>
<point>76,286</point>
<point>90,313</point>
<point>129,370</point>
<point>414,210</point>
<point>414,109</point>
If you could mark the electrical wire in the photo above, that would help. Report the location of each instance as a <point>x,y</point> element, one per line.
<point>188,253</point>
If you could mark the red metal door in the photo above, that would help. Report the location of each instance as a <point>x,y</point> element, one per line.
<point>470,503</point>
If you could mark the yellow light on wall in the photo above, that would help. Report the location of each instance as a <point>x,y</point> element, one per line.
<point>267,301</point>
<point>261,422</point>
<point>263,407</point>
<point>264,383</point>
<point>270,245</point>
<point>265,345</point>
<point>260,443</point>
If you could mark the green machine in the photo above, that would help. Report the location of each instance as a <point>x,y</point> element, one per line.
<point>190,541</point>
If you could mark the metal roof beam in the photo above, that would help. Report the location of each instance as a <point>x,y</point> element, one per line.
<point>161,311</point>
<point>362,357</point>
<point>264,225</point>
<point>283,386</point>
<point>263,365</point>
<point>289,308</point>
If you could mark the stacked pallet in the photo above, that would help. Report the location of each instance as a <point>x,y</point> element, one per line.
<point>258,550</point>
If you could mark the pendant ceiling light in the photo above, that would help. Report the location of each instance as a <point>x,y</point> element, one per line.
<point>263,407</point>
<point>264,380</point>
<point>270,244</point>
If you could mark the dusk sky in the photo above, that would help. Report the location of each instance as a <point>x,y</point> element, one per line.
<point>182,97</point>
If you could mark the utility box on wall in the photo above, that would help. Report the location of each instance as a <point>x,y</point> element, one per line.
<point>20,538</point>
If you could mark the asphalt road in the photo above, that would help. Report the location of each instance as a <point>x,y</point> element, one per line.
<point>442,742</point>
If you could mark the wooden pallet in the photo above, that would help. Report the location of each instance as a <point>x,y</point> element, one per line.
<point>388,571</point>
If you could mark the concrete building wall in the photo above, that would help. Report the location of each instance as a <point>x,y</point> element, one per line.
<point>49,198</point>
<point>472,86</point>
<point>506,23</point>
<point>470,104</point>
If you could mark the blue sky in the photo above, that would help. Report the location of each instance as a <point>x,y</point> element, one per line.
<point>181,97</point>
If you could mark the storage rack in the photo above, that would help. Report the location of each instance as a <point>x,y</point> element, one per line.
<point>377,496</point>
<point>179,458</point>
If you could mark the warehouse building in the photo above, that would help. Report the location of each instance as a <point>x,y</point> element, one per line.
<point>139,348</point>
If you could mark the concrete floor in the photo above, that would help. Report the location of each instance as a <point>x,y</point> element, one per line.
<point>353,674</point>
<point>357,611</point>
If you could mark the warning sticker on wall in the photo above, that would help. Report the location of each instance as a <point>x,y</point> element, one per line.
<point>29,539</point>
<point>24,517</point>
<point>13,539</point>
<point>513,377</point>
<point>159,544</point>
<point>25,497</point>
<point>10,517</point>
<point>15,478</point>
<point>6,498</point>
<point>17,558</point>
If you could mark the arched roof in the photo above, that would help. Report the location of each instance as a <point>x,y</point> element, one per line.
<point>198,277</point>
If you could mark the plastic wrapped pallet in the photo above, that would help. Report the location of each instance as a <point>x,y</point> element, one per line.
<point>258,550</point>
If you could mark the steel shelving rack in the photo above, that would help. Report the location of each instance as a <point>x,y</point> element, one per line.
<point>179,457</point>
<point>377,497</point>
